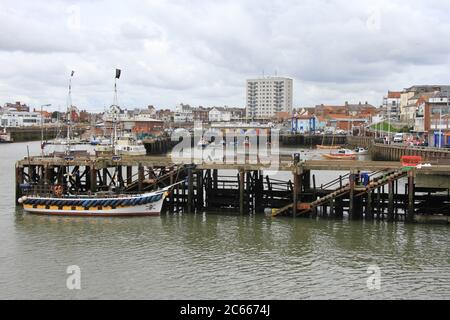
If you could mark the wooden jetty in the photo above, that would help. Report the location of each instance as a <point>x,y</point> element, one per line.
<point>369,189</point>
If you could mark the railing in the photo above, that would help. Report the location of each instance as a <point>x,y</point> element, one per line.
<point>48,192</point>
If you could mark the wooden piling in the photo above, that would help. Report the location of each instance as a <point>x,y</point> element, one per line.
<point>241,191</point>
<point>410,214</point>
<point>93,178</point>
<point>351,206</point>
<point>390,200</point>
<point>295,191</point>
<point>190,190</point>
<point>141,177</point>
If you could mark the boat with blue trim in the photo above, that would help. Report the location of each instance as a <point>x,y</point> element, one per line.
<point>146,204</point>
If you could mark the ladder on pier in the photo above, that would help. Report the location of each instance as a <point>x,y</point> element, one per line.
<point>378,182</point>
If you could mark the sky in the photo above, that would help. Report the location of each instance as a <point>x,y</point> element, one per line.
<point>202,52</point>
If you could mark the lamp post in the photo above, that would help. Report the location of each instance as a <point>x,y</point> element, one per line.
<point>389,123</point>
<point>42,127</point>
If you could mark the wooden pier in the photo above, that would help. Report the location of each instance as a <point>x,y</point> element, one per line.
<point>369,190</point>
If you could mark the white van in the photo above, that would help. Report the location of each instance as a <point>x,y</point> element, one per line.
<point>398,138</point>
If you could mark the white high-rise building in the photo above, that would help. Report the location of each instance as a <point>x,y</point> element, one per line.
<point>268,96</point>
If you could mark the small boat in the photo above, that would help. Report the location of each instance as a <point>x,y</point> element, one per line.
<point>5,137</point>
<point>342,154</point>
<point>128,146</point>
<point>147,204</point>
<point>361,151</point>
<point>324,147</point>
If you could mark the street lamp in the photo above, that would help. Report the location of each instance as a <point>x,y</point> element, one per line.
<point>42,127</point>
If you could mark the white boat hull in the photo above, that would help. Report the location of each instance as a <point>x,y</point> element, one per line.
<point>149,209</point>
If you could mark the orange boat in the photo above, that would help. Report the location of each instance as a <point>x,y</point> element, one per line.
<point>343,154</point>
<point>411,161</point>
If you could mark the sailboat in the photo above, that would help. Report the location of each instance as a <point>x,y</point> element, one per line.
<point>328,147</point>
<point>58,201</point>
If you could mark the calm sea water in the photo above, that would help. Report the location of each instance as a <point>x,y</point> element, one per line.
<point>209,256</point>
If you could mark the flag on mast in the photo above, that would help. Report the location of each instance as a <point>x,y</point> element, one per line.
<point>118,73</point>
<point>73,72</point>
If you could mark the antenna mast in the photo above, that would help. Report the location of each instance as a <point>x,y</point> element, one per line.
<point>69,113</point>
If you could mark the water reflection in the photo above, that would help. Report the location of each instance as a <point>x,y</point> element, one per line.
<point>216,256</point>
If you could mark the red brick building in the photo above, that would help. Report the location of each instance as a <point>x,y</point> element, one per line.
<point>148,126</point>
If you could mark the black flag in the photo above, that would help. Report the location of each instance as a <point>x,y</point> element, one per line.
<point>73,72</point>
<point>118,73</point>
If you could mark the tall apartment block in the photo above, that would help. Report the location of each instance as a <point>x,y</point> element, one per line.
<point>268,96</point>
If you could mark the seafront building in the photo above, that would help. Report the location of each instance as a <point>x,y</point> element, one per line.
<point>14,119</point>
<point>268,96</point>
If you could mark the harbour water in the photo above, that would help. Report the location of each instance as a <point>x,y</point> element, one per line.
<point>212,256</point>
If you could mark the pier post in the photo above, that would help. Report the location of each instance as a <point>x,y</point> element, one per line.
<point>351,206</point>
<point>200,197</point>
<point>241,191</point>
<point>19,181</point>
<point>141,177</point>
<point>391,200</point>
<point>314,213</point>
<point>190,189</point>
<point>105,177</point>
<point>295,192</point>
<point>129,175</point>
<point>93,178</point>
<point>369,207</point>
<point>410,215</point>
<point>306,180</point>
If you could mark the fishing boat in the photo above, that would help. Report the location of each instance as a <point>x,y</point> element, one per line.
<point>147,204</point>
<point>128,146</point>
<point>342,154</point>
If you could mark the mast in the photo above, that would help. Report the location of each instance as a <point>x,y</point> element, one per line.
<point>69,113</point>
<point>115,111</point>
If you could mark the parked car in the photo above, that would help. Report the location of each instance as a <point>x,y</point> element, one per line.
<point>398,138</point>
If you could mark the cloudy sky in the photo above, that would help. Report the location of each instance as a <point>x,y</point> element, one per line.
<point>201,52</point>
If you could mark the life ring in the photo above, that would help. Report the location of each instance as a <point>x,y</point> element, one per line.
<point>58,191</point>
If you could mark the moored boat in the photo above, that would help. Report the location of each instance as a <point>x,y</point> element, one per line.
<point>128,146</point>
<point>5,137</point>
<point>342,154</point>
<point>147,204</point>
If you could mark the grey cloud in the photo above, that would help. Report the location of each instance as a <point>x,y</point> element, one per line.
<point>202,51</point>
